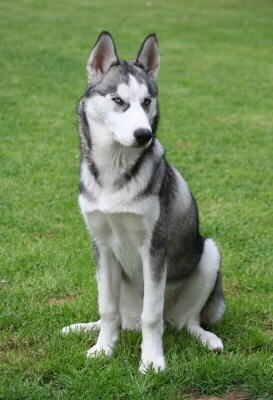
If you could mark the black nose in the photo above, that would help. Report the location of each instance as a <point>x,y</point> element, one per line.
<point>142,136</point>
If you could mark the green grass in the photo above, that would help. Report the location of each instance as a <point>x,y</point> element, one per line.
<point>216,86</point>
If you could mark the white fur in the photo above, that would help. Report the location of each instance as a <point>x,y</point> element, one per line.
<point>113,126</point>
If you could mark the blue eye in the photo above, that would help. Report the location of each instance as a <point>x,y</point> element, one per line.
<point>147,102</point>
<point>118,100</point>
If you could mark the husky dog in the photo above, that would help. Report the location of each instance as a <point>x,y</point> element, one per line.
<point>153,266</point>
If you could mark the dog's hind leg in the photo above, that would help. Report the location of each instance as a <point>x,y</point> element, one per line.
<point>196,292</point>
<point>208,339</point>
<point>82,327</point>
<point>130,306</point>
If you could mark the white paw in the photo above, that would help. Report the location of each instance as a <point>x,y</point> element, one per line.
<point>100,349</point>
<point>212,342</point>
<point>156,363</point>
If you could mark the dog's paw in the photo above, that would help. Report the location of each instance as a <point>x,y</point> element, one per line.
<point>100,349</point>
<point>212,342</point>
<point>157,364</point>
<point>215,345</point>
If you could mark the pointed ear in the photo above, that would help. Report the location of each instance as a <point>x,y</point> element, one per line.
<point>148,56</point>
<point>101,58</point>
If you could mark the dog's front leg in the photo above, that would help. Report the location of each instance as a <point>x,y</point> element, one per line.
<point>154,274</point>
<point>108,277</point>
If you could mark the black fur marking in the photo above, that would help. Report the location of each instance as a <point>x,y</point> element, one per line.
<point>136,167</point>
<point>85,192</point>
<point>101,91</point>
<point>152,185</point>
<point>125,107</point>
<point>115,63</point>
<point>85,143</point>
<point>129,175</point>
<point>94,171</point>
<point>155,120</point>
<point>124,276</point>
<point>160,238</point>
<point>182,246</point>
<point>186,244</point>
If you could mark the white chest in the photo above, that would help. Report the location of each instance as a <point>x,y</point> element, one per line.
<point>117,220</point>
<point>125,234</point>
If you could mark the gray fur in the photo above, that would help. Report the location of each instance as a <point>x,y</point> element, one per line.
<point>117,74</point>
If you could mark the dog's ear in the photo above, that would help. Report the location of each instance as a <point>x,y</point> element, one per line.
<point>148,56</point>
<point>102,57</point>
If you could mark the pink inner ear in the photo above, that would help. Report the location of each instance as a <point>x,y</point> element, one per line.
<point>151,60</point>
<point>101,53</point>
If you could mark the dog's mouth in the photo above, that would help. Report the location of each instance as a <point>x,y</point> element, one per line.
<point>143,146</point>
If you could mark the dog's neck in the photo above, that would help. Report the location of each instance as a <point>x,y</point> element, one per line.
<point>111,159</point>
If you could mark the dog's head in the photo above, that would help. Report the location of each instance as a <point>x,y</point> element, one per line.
<point>121,98</point>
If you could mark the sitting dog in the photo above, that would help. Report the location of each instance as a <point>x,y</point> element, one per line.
<point>153,265</point>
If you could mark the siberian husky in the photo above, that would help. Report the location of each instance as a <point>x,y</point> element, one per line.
<point>153,266</point>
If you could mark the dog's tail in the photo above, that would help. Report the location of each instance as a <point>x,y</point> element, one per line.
<point>215,306</point>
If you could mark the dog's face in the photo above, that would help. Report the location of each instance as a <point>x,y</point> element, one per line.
<point>121,97</point>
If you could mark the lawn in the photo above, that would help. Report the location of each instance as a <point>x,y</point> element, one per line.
<point>215,86</point>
